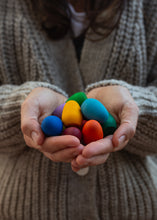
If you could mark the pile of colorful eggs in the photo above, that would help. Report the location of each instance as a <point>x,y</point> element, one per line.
<point>83,117</point>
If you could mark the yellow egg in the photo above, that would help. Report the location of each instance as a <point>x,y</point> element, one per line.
<point>71,115</point>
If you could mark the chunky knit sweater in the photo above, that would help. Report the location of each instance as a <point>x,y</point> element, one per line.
<point>32,187</point>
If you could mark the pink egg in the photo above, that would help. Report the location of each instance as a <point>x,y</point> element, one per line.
<point>73,131</point>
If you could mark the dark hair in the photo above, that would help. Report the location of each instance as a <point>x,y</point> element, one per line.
<point>54,16</point>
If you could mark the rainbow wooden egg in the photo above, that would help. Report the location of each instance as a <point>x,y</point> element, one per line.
<point>52,126</point>
<point>92,131</point>
<point>58,111</point>
<point>71,115</point>
<point>93,109</point>
<point>73,131</point>
<point>109,126</point>
<point>79,97</point>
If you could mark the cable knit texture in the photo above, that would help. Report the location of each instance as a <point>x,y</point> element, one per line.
<point>31,186</point>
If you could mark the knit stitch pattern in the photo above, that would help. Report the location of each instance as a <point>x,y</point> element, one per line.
<point>31,186</point>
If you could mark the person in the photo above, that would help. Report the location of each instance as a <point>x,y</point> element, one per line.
<point>111,54</point>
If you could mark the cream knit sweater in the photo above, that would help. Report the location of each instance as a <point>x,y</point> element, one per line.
<point>31,186</point>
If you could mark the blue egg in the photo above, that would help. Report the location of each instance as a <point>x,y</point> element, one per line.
<point>93,109</point>
<point>52,126</point>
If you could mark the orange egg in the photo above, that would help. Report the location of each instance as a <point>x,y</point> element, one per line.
<point>92,131</point>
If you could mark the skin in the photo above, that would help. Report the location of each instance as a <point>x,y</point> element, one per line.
<point>41,102</point>
<point>78,5</point>
<point>125,111</point>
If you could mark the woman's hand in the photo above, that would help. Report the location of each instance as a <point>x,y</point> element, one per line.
<point>41,102</point>
<point>122,107</point>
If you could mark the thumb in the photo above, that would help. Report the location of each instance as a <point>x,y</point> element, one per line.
<point>29,122</point>
<point>128,122</point>
<point>31,129</point>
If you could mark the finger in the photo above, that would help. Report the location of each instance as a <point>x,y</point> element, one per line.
<point>64,155</point>
<point>31,143</point>
<point>127,128</point>
<point>57,143</point>
<point>74,164</point>
<point>29,122</point>
<point>102,146</point>
<point>75,169</point>
<point>93,161</point>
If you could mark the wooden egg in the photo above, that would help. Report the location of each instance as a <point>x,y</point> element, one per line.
<point>73,131</point>
<point>93,109</point>
<point>52,126</point>
<point>79,97</point>
<point>92,131</point>
<point>109,126</point>
<point>58,111</point>
<point>83,123</point>
<point>71,115</point>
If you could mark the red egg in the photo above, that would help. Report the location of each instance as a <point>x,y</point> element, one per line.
<point>92,131</point>
<point>83,123</point>
<point>73,131</point>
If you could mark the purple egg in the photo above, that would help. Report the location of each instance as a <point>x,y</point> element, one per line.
<point>58,111</point>
<point>73,131</point>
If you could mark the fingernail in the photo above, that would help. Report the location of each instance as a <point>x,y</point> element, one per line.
<point>34,136</point>
<point>122,139</point>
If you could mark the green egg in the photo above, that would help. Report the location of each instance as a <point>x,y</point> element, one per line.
<point>79,97</point>
<point>109,126</point>
<point>64,127</point>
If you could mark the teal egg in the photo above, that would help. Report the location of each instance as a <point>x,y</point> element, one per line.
<point>109,126</point>
<point>79,97</point>
<point>93,109</point>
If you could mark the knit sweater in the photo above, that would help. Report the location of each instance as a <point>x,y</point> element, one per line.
<point>32,187</point>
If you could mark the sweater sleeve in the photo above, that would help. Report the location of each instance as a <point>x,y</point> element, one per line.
<point>11,98</point>
<point>145,140</point>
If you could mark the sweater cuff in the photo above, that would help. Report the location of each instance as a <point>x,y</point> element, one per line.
<point>143,96</point>
<point>108,82</point>
<point>30,85</point>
